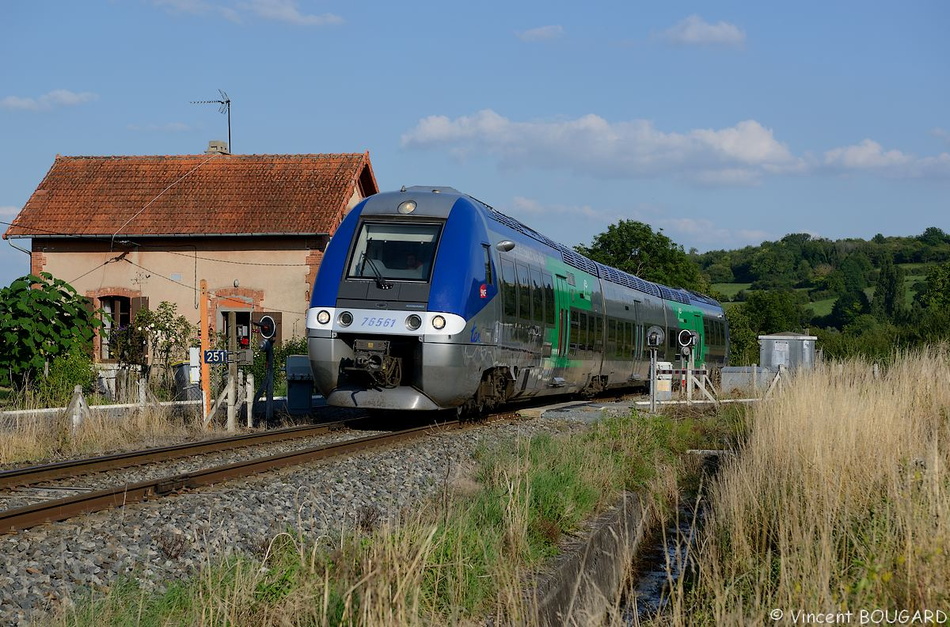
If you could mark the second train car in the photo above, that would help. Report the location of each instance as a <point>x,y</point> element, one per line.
<point>429,299</point>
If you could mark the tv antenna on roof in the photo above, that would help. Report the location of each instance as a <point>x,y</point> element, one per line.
<point>225,107</point>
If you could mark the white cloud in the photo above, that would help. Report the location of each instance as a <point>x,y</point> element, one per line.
<point>275,10</point>
<point>52,100</point>
<point>542,33</point>
<point>522,206</point>
<point>870,156</point>
<point>287,11</point>
<point>587,222</point>
<point>742,154</point>
<point>8,211</point>
<point>593,146</point>
<point>694,30</point>
<point>941,133</point>
<point>706,235</point>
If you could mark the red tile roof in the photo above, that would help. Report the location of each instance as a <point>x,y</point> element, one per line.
<point>209,194</point>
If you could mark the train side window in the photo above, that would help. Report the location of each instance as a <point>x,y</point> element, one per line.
<point>489,279</point>
<point>549,304</point>
<point>598,332</point>
<point>524,292</point>
<point>575,330</point>
<point>583,338</point>
<point>537,296</point>
<point>628,347</point>
<point>509,288</point>
<point>612,348</point>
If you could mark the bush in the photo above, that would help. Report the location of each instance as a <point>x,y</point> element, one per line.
<point>65,373</point>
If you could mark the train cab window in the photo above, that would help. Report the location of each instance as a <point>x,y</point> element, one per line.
<point>489,280</point>
<point>394,251</point>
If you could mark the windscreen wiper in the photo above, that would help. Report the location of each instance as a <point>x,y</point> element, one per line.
<point>381,283</point>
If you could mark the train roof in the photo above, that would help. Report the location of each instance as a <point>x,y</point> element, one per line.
<point>575,259</point>
<point>568,255</point>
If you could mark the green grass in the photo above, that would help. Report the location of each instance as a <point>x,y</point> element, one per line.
<point>729,290</point>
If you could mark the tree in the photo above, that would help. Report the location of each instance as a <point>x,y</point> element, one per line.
<point>743,340</point>
<point>848,307</point>
<point>889,291</point>
<point>633,247</point>
<point>41,318</point>
<point>775,311</point>
<point>936,291</point>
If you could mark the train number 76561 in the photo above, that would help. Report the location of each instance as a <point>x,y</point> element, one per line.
<point>373,321</point>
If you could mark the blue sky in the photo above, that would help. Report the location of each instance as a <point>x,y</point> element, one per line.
<point>724,124</point>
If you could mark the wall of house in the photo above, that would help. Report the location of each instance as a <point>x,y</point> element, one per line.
<point>270,274</point>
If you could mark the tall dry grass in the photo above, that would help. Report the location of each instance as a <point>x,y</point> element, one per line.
<point>838,503</point>
<point>43,439</point>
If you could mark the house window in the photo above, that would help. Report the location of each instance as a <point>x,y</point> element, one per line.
<point>117,316</point>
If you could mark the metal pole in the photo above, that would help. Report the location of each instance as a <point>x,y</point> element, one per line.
<point>232,371</point>
<point>205,346</point>
<point>653,378</point>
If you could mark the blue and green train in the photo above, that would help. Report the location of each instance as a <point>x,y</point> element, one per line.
<point>428,299</point>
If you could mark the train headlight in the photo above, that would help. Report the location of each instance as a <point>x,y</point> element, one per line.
<point>413,322</point>
<point>406,206</point>
<point>323,316</point>
<point>346,319</point>
<point>438,322</point>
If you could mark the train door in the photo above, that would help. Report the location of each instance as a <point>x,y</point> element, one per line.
<point>561,352</point>
<point>641,366</point>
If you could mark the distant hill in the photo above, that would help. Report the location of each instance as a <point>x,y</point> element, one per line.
<point>822,270</point>
<point>861,297</point>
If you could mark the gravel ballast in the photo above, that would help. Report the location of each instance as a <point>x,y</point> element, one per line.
<point>157,542</point>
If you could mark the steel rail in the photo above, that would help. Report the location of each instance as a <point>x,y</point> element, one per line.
<point>61,509</point>
<point>28,475</point>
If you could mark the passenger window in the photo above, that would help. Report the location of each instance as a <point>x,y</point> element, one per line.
<point>537,296</point>
<point>509,288</point>
<point>524,293</point>
<point>549,305</point>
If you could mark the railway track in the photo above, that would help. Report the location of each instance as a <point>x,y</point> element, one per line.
<point>27,516</point>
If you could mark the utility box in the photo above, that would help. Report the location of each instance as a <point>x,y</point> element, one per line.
<point>185,388</point>
<point>792,350</point>
<point>663,381</point>
<point>299,384</point>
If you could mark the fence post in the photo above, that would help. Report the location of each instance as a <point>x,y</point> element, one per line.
<point>76,408</point>
<point>249,399</point>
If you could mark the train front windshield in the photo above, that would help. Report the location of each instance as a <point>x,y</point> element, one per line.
<point>394,251</point>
